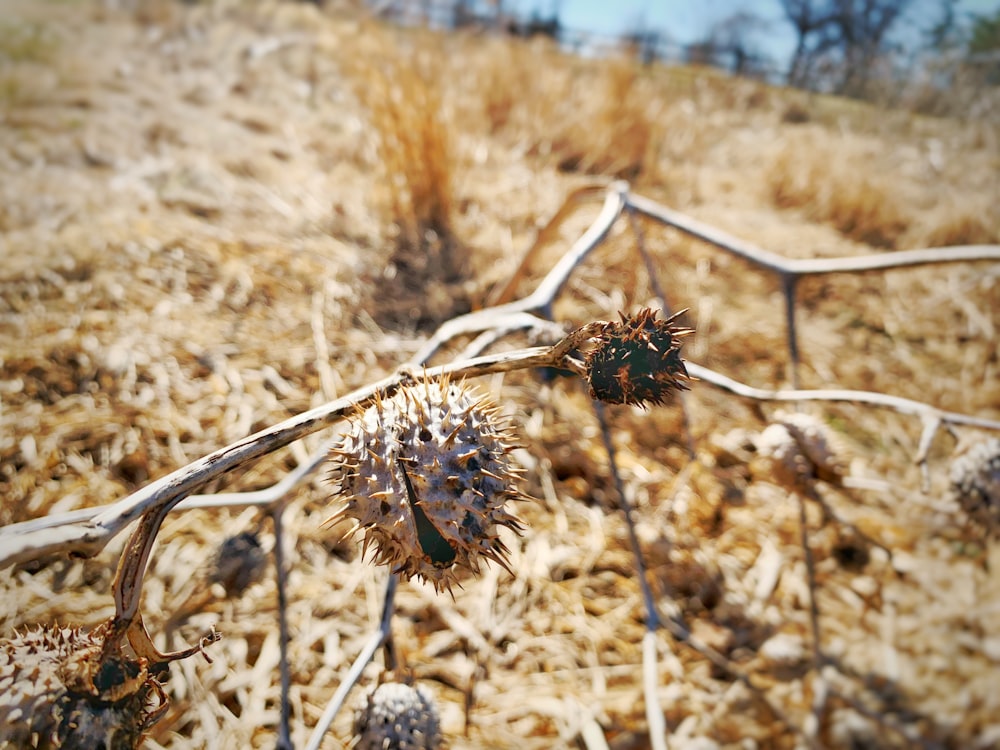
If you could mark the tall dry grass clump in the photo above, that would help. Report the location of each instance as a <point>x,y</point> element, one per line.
<point>956,224</point>
<point>397,81</point>
<point>612,128</point>
<point>590,116</point>
<point>833,182</point>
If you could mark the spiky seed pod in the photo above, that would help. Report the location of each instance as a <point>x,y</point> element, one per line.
<point>975,484</point>
<point>59,689</point>
<point>239,562</point>
<point>637,361</point>
<point>396,716</point>
<point>426,475</point>
<point>800,449</point>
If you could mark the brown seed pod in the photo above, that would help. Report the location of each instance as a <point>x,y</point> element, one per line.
<point>61,687</point>
<point>801,449</point>
<point>637,361</point>
<point>426,475</point>
<point>975,484</point>
<point>400,716</point>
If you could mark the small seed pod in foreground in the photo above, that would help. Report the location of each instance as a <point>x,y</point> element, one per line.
<point>637,361</point>
<point>60,688</point>
<point>975,484</point>
<point>426,475</point>
<point>396,716</point>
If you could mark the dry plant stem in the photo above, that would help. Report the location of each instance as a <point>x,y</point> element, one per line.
<point>546,292</point>
<point>652,617</point>
<point>808,266</point>
<point>89,537</point>
<point>789,269</point>
<point>654,713</point>
<point>127,589</point>
<point>284,724</point>
<point>931,417</point>
<point>680,632</point>
<point>661,296</point>
<point>546,235</point>
<point>377,639</point>
<point>811,580</point>
<point>788,286</point>
<point>819,682</point>
<point>87,530</point>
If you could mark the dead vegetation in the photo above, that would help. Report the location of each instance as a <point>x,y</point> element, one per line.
<point>186,267</point>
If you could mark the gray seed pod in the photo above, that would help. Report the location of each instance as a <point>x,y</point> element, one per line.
<point>975,483</point>
<point>60,689</point>
<point>426,475</point>
<point>396,716</point>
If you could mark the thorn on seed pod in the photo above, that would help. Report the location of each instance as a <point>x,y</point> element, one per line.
<point>426,475</point>
<point>397,716</point>
<point>975,484</point>
<point>637,361</point>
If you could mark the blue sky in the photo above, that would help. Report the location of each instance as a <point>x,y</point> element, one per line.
<point>690,20</point>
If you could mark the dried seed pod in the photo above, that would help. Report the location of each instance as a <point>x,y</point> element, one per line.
<point>426,474</point>
<point>396,716</point>
<point>61,687</point>
<point>784,461</point>
<point>638,360</point>
<point>800,449</point>
<point>975,484</point>
<point>239,563</point>
<point>818,444</point>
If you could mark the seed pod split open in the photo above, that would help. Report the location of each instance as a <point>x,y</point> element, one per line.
<point>426,475</point>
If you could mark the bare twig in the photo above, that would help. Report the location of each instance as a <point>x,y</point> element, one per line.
<point>377,639</point>
<point>546,291</point>
<point>661,297</point>
<point>809,266</point>
<point>284,724</point>
<point>89,537</point>
<point>789,270</point>
<point>820,687</point>
<point>86,531</point>
<point>654,713</point>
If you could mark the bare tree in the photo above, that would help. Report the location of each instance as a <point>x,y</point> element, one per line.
<point>864,27</point>
<point>732,36</point>
<point>813,22</point>
<point>850,34</point>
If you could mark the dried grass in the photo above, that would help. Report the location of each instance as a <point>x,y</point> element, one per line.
<point>398,88</point>
<point>960,225</point>
<point>835,183</point>
<point>398,81</point>
<point>615,130</point>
